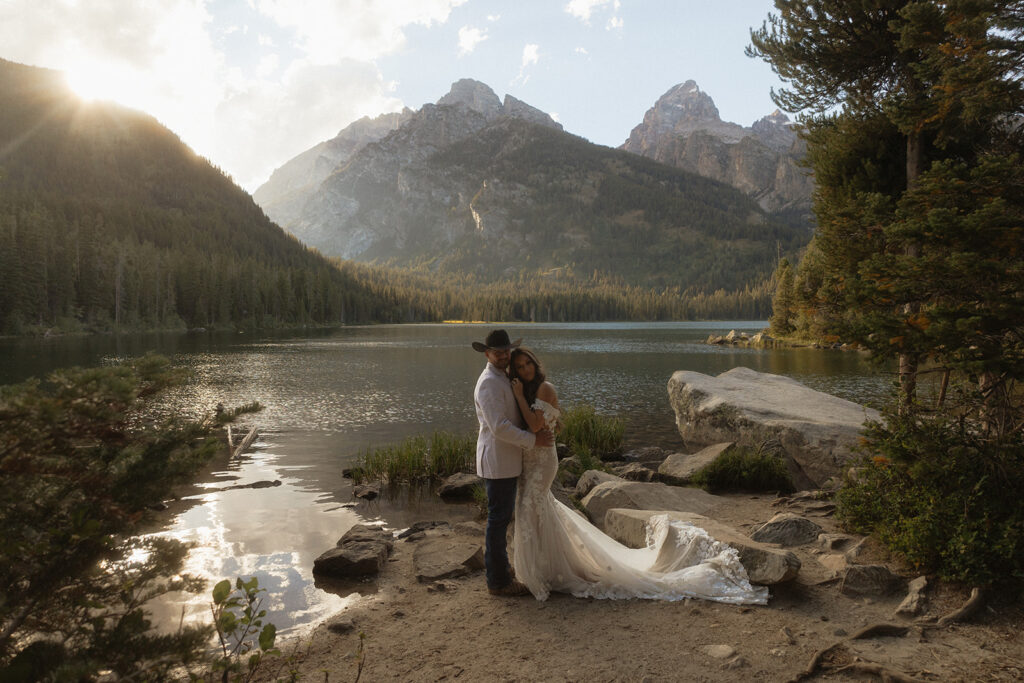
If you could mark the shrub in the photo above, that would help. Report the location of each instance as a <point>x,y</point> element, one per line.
<point>744,469</point>
<point>417,458</point>
<point>82,457</point>
<point>589,434</point>
<point>941,495</point>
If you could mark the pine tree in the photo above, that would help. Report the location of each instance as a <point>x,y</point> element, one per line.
<point>782,304</point>
<point>940,80</point>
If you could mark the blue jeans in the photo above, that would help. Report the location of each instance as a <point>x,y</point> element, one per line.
<point>501,503</point>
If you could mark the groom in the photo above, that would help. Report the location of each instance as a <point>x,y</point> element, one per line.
<point>499,456</point>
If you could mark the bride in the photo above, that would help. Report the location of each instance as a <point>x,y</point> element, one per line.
<point>557,550</point>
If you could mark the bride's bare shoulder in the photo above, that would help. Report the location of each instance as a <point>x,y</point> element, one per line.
<point>546,392</point>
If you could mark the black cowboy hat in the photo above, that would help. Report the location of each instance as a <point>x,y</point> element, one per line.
<point>497,340</point>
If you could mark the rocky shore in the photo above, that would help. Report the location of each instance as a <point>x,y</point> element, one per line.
<point>840,606</point>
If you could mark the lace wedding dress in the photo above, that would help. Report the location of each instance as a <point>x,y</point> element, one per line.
<point>557,550</point>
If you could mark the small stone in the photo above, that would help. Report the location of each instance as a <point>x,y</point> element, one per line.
<point>914,602</point>
<point>839,632</point>
<point>398,614</point>
<point>340,625</point>
<point>787,635</point>
<point>366,491</point>
<point>719,651</point>
<point>737,662</point>
<point>824,618</point>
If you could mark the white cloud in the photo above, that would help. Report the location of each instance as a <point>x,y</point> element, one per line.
<point>310,104</point>
<point>469,38</point>
<point>332,30</point>
<point>531,54</point>
<point>581,51</point>
<point>582,9</point>
<point>167,58</point>
<point>614,23</point>
<point>493,17</point>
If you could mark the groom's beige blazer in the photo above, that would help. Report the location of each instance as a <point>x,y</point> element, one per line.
<point>499,447</point>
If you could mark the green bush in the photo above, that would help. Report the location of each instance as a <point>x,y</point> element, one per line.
<point>417,458</point>
<point>588,434</point>
<point>942,496</point>
<point>82,457</point>
<point>744,469</point>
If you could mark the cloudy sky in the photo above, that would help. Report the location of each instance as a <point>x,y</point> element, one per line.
<point>251,83</point>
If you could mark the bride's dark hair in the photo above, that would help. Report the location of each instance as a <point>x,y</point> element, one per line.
<point>529,388</point>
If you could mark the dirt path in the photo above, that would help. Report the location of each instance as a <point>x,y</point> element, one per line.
<point>453,629</point>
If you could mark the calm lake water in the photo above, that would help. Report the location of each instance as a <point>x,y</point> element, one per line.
<point>329,395</point>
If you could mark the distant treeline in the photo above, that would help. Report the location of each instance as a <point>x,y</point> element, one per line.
<point>556,298</point>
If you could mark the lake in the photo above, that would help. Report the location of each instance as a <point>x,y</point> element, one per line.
<point>331,394</point>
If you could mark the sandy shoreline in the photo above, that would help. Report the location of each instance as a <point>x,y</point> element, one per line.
<point>453,629</point>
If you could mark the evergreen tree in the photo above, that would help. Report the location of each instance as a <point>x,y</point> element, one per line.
<point>782,304</point>
<point>940,79</point>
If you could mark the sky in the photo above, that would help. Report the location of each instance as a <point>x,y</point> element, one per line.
<point>249,84</point>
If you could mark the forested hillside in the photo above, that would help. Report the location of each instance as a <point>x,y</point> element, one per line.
<point>107,220</point>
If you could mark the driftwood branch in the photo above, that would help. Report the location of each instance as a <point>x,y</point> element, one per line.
<point>246,442</point>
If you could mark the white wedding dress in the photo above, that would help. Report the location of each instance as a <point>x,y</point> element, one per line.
<point>557,550</point>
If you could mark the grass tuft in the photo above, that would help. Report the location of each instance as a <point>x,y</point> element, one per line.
<point>744,469</point>
<point>590,435</point>
<point>417,458</point>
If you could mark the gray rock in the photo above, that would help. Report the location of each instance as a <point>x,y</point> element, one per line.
<point>718,651</point>
<point>354,559</point>
<point>914,602</point>
<point>591,478</point>
<point>835,542</point>
<point>787,529</point>
<point>366,533</point>
<point>418,527</point>
<point>366,491</point>
<point>469,528</point>
<point>445,557</point>
<point>765,565</point>
<point>340,625</point>
<point>636,495</point>
<point>635,471</point>
<point>459,485</point>
<point>678,468</point>
<point>816,431</point>
<point>647,455</point>
<point>870,580</point>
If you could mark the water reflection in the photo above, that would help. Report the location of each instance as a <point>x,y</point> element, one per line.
<point>329,395</point>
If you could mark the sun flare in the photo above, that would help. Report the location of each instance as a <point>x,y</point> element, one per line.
<point>99,82</point>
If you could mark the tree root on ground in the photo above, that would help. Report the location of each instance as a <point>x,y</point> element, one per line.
<point>887,675</point>
<point>966,610</point>
<point>881,630</point>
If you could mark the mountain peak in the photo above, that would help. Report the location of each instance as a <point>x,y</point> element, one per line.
<point>473,94</point>
<point>686,101</point>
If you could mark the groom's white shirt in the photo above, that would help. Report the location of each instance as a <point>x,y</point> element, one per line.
<point>499,447</point>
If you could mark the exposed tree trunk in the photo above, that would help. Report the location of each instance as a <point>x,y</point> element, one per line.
<point>908,361</point>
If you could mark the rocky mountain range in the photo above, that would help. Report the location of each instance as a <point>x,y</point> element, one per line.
<point>684,129</point>
<point>477,186</point>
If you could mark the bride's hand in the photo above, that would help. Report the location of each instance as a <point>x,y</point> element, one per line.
<point>517,388</point>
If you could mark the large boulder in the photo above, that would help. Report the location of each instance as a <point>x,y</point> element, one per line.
<point>445,557</point>
<point>362,551</point>
<point>766,565</point>
<point>636,495</point>
<point>591,478</point>
<point>459,485</point>
<point>817,431</point>
<point>679,468</point>
<point>357,559</point>
<point>787,529</point>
